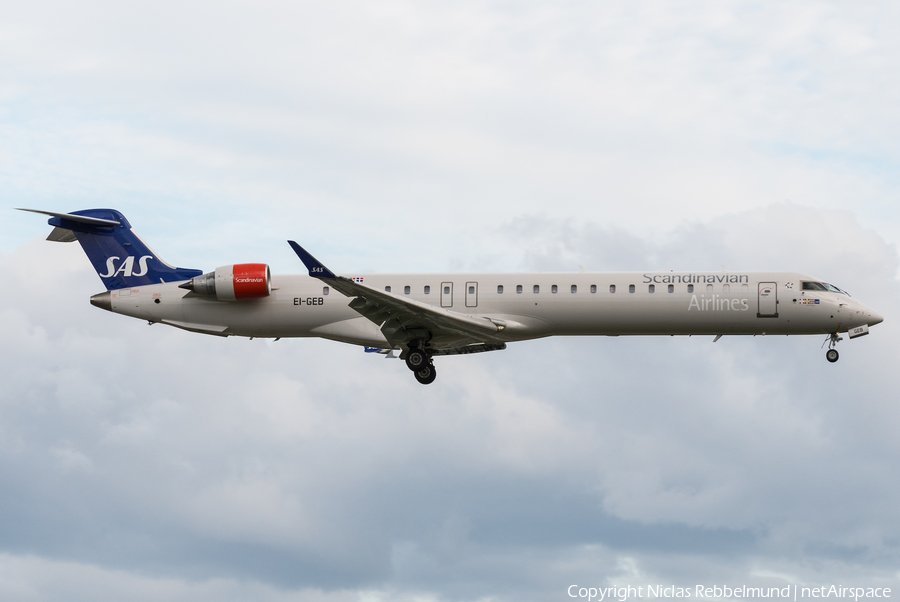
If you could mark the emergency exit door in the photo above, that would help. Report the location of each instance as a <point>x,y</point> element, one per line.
<point>446,294</point>
<point>471,294</point>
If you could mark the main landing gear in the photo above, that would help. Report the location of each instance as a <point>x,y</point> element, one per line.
<point>832,354</point>
<point>426,375</point>
<point>421,365</point>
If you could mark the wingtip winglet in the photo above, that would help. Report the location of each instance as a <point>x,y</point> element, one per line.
<point>315,267</point>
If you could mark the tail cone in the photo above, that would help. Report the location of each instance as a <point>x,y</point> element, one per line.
<point>102,300</point>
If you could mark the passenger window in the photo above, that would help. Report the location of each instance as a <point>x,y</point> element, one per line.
<point>427,290</point>
<point>744,288</point>
<point>612,288</point>
<point>630,288</point>
<point>651,288</point>
<point>671,288</point>
<point>574,288</point>
<point>518,289</point>
<point>471,290</point>
<point>726,288</point>
<point>593,288</point>
<point>405,290</point>
<point>499,289</point>
<point>709,288</point>
<point>387,289</point>
<point>537,289</point>
<point>690,288</point>
<point>554,289</point>
<point>325,290</point>
<point>446,290</point>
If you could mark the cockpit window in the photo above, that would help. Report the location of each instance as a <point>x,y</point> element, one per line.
<point>823,286</point>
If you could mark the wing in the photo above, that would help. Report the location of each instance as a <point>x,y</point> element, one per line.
<point>403,320</point>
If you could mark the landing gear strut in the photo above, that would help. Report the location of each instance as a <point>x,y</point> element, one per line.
<point>419,361</point>
<point>832,354</point>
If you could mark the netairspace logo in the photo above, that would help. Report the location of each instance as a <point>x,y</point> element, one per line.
<point>790,592</point>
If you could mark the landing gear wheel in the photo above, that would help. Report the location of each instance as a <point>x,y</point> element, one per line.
<point>426,375</point>
<point>831,340</point>
<point>416,359</point>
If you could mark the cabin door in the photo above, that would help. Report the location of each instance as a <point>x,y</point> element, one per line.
<point>768,300</point>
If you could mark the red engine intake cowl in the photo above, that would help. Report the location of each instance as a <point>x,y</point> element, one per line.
<point>251,280</point>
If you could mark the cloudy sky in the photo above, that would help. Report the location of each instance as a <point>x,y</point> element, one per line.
<point>146,463</point>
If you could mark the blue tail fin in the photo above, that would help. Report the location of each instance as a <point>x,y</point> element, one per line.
<point>121,258</point>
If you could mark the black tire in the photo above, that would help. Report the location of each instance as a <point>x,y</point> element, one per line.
<point>426,375</point>
<point>832,355</point>
<point>416,359</point>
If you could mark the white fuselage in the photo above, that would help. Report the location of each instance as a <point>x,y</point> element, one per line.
<point>530,305</point>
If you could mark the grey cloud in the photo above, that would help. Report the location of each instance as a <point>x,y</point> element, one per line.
<point>800,418</point>
<point>306,464</point>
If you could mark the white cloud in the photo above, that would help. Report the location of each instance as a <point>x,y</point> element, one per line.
<point>464,115</point>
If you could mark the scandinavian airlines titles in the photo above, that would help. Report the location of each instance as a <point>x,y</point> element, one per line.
<point>695,278</point>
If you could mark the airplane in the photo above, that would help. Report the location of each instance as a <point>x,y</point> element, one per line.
<point>423,316</point>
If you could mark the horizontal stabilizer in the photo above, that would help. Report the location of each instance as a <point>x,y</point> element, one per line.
<point>83,219</point>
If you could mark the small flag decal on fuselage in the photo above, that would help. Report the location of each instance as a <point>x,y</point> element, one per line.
<point>357,279</point>
<point>809,301</point>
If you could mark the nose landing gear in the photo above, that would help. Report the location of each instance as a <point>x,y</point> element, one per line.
<point>832,354</point>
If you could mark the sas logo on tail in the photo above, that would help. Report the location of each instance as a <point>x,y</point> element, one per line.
<point>126,268</point>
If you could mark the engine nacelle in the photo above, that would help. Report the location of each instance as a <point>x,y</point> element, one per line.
<point>233,282</point>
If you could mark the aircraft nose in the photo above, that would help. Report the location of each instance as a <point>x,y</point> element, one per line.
<point>874,318</point>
